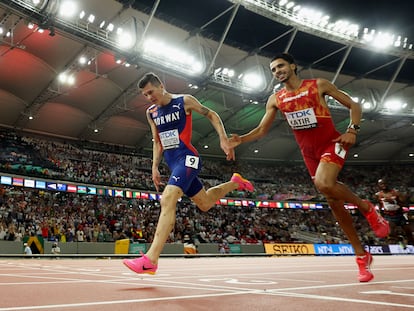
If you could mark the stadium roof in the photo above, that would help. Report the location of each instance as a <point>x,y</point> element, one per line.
<point>229,34</point>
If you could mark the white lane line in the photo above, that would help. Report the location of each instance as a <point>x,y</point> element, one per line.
<point>284,294</point>
<point>341,285</point>
<point>386,292</point>
<point>113,302</point>
<point>336,299</point>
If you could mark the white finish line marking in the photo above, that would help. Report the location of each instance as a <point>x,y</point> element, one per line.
<point>386,292</point>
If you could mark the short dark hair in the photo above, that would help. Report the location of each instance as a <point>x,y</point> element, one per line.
<point>287,57</point>
<point>149,77</point>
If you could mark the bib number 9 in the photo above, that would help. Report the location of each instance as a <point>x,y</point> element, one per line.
<point>192,161</point>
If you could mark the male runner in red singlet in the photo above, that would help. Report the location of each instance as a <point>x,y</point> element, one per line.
<point>324,149</point>
<point>170,119</point>
<point>391,201</point>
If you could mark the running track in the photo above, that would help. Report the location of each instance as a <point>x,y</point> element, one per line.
<point>218,283</point>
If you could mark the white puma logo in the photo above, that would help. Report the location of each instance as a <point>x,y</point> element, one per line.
<point>175,178</point>
<point>177,106</point>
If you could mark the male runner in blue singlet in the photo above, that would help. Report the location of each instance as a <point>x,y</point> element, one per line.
<point>170,119</point>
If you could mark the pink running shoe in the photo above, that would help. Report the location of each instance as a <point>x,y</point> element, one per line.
<point>140,265</point>
<point>364,265</point>
<point>379,225</point>
<point>244,184</point>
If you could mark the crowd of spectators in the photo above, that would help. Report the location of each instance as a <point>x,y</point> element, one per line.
<point>69,217</point>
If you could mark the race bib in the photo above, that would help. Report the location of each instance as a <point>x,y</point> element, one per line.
<point>340,151</point>
<point>301,119</point>
<point>170,139</point>
<point>390,206</point>
<point>192,161</point>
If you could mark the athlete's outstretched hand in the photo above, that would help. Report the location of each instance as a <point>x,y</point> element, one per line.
<point>234,140</point>
<point>228,149</point>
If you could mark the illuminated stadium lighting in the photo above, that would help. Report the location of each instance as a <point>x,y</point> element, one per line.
<point>66,78</point>
<point>124,39</point>
<point>68,9</point>
<point>383,40</point>
<point>83,60</point>
<point>290,5</point>
<point>67,16</point>
<point>395,105</point>
<point>171,57</point>
<point>397,42</point>
<point>91,18</point>
<point>252,81</point>
<point>101,32</point>
<point>228,72</point>
<point>366,105</point>
<point>110,27</point>
<point>221,75</point>
<point>310,20</point>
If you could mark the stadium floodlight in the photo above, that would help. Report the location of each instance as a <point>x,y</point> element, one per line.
<point>312,21</point>
<point>394,105</point>
<point>290,5</point>
<point>66,78</point>
<point>68,9</point>
<point>110,27</point>
<point>367,105</point>
<point>168,56</point>
<point>125,40</point>
<point>228,72</point>
<point>91,18</point>
<point>253,80</point>
<point>383,40</point>
<point>83,60</point>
